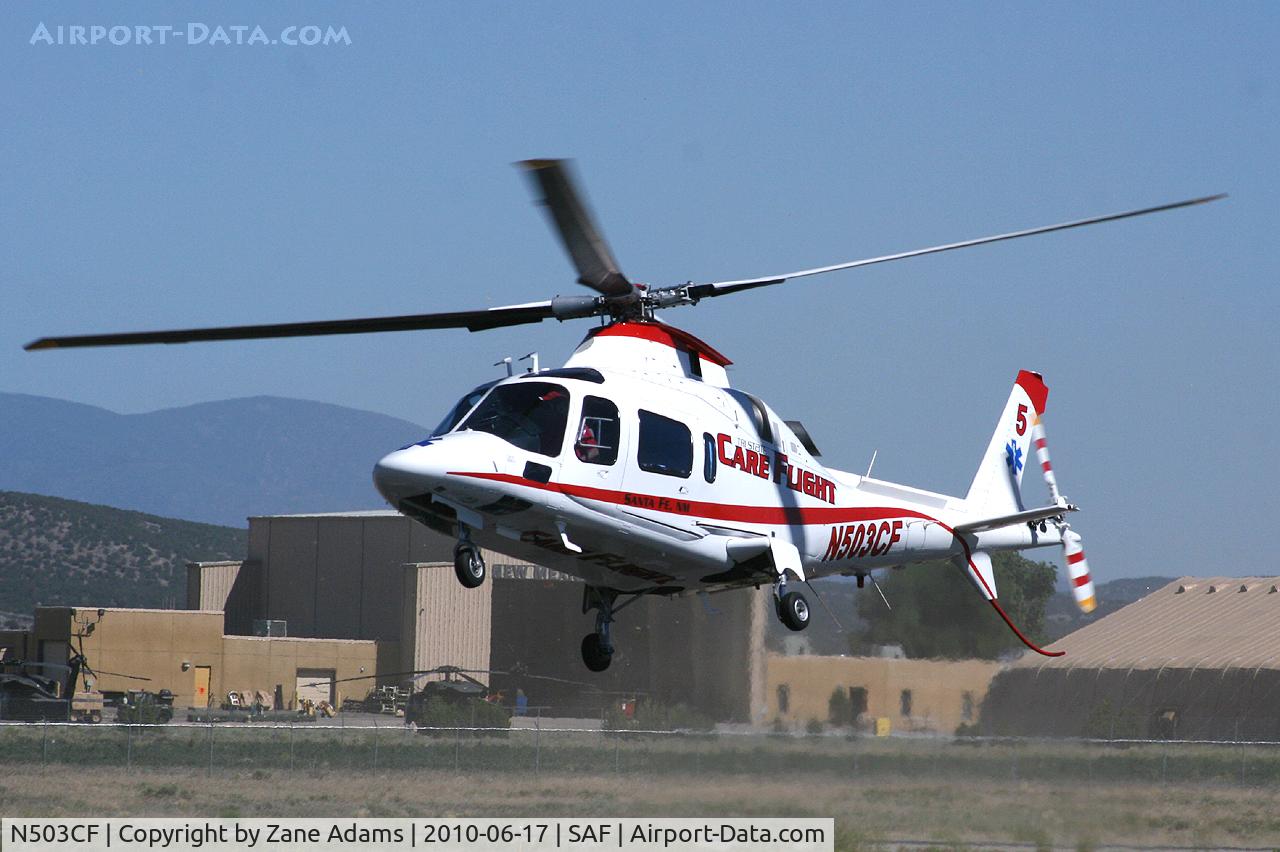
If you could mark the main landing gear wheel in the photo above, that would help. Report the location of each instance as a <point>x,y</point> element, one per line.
<point>594,653</point>
<point>597,647</point>
<point>793,611</point>
<point>468,564</point>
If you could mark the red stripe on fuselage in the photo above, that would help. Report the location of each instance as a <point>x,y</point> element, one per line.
<point>767,515</point>
<point>714,511</point>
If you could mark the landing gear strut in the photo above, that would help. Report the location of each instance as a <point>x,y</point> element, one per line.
<point>792,608</point>
<point>468,564</point>
<point>597,647</point>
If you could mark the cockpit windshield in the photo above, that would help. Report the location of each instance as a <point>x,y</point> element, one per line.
<point>531,415</point>
<point>461,410</point>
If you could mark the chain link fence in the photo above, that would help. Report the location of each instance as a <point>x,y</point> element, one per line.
<point>544,747</point>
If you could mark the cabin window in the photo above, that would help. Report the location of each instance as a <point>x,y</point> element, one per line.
<point>528,415</point>
<point>665,446</point>
<point>708,457</point>
<point>461,410</point>
<point>598,432</point>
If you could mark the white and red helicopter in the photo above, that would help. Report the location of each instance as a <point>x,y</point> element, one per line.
<point>637,468</point>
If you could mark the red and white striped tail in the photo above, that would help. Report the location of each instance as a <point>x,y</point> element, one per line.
<point>1072,549</point>
<point>1078,570</point>
<point>1042,456</point>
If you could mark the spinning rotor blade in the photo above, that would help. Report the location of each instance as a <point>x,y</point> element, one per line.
<point>470,320</point>
<point>450,670</point>
<point>98,672</point>
<point>35,664</point>
<point>590,253</point>
<point>414,673</point>
<point>721,288</point>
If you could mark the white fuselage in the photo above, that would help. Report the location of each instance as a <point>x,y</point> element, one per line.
<point>683,488</point>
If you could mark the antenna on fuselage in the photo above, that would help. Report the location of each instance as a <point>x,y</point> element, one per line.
<point>830,613</point>
<point>532,356</point>
<point>507,361</point>
<point>878,589</point>
<point>872,463</point>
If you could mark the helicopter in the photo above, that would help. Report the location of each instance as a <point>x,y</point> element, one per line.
<point>638,468</point>
<point>456,686</point>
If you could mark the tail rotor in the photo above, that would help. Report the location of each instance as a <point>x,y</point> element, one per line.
<point>1078,570</point>
<point>1072,548</point>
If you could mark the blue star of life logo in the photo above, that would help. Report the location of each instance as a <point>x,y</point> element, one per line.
<point>1013,457</point>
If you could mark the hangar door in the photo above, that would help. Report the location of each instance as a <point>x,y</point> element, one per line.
<point>316,684</point>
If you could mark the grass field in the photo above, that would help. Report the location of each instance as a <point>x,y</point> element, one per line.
<point>1063,795</point>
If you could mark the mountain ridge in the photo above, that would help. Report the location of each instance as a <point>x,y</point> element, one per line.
<point>214,462</point>
<point>55,551</point>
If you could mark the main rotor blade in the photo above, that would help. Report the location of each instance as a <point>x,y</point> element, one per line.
<point>96,672</point>
<point>451,670</point>
<point>472,320</point>
<point>721,288</point>
<point>569,213</point>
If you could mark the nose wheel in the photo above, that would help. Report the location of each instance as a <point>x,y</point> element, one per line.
<point>469,565</point>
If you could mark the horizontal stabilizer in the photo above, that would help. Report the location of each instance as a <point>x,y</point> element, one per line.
<point>1030,516</point>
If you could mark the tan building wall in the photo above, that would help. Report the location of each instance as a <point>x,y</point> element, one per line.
<point>943,693</point>
<point>151,643</point>
<point>444,623</point>
<point>260,663</point>
<point>174,647</point>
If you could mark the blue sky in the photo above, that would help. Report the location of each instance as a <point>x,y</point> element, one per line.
<point>166,186</point>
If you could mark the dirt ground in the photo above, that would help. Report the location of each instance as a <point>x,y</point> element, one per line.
<point>1036,813</point>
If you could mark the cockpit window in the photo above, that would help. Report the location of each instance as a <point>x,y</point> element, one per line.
<point>461,410</point>
<point>529,415</point>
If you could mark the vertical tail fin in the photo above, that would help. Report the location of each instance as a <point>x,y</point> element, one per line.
<point>997,486</point>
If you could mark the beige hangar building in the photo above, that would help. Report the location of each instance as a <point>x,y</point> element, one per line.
<point>382,579</point>
<point>323,598</point>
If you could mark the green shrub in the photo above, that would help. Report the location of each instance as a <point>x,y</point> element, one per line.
<point>470,713</point>
<point>1105,722</point>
